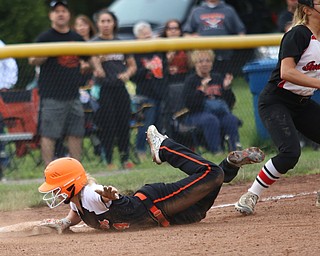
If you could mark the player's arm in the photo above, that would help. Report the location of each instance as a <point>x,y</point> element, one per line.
<point>62,224</point>
<point>288,72</point>
<point>131,69</point>
<point>97,67</point>
<point>73,217</point>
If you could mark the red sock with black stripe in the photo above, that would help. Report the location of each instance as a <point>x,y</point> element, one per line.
<point>266,177</point>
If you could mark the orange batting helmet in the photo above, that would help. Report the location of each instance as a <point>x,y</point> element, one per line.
<point>65,177</point>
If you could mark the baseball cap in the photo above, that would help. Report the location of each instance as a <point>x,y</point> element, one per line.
<point>54,4</point>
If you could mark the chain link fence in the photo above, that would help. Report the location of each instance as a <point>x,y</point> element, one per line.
<point>155,94</point>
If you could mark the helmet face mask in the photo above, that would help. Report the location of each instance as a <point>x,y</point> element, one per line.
<point>54,197</point>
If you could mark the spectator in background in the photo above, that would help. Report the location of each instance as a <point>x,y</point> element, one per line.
<point>8,78</point>
<point>59,82</point>
<point>286,16</point>
<point>216,18</point>
<point>177,61</point>
<point>255,14</point>
<point>84,27</point>
<point>150,85</point>
<point>204,94</point>
<point>177,69</point>
<point>111,72</point>
<point>8,72</point>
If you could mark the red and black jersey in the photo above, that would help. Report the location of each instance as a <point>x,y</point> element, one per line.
<point>300,44</point>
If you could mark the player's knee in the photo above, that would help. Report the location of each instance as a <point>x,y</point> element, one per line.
<point>214,179</point>
<point>287,161</point>
<point>290,163</point>
<point>218,175</point>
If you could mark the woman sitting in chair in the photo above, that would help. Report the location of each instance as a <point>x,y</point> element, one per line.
<point>209,98</point>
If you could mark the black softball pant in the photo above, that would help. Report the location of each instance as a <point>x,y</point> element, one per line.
<point>283,113</point>
<point>188,200</point>
<point>113,120</point>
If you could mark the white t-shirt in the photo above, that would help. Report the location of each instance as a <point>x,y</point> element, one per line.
<point>91,200</point>
<point>8,72</point>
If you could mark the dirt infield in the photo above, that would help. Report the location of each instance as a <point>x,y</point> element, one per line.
<point>286,222</point>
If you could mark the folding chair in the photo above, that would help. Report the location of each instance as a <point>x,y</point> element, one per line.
<point>175,114</point>
<point>19,110</point>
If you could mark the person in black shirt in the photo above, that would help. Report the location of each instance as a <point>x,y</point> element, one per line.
<point>59,81</point>
<point>286,16</point>
<point>111,72</point>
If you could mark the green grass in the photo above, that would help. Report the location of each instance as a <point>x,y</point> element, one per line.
<point>244,110</point>
<point>23,193</point>
<point>19,196</point>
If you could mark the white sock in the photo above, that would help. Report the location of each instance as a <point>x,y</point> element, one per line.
<point>266,177</point>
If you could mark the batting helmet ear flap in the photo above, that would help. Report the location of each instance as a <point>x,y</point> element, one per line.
<point>306,2</point>
<point>71,189</point>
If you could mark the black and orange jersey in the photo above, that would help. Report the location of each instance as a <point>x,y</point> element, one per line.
<point>119,214</point>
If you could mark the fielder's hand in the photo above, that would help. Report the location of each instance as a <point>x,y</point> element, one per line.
<point>59,225</point>
<point>108,192</point>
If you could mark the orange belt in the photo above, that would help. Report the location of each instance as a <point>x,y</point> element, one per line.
<point>156,212</point>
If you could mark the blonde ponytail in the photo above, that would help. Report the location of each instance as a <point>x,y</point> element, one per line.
<point>300,17</point>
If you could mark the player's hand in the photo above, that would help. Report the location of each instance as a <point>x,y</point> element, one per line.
<point>58,224</point>
<point>108,192</point>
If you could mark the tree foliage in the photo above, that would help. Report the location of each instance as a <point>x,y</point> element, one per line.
<point>88,7</point>
<point>21,20</point>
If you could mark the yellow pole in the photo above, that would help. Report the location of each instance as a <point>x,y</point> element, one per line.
<point>138,46</point>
